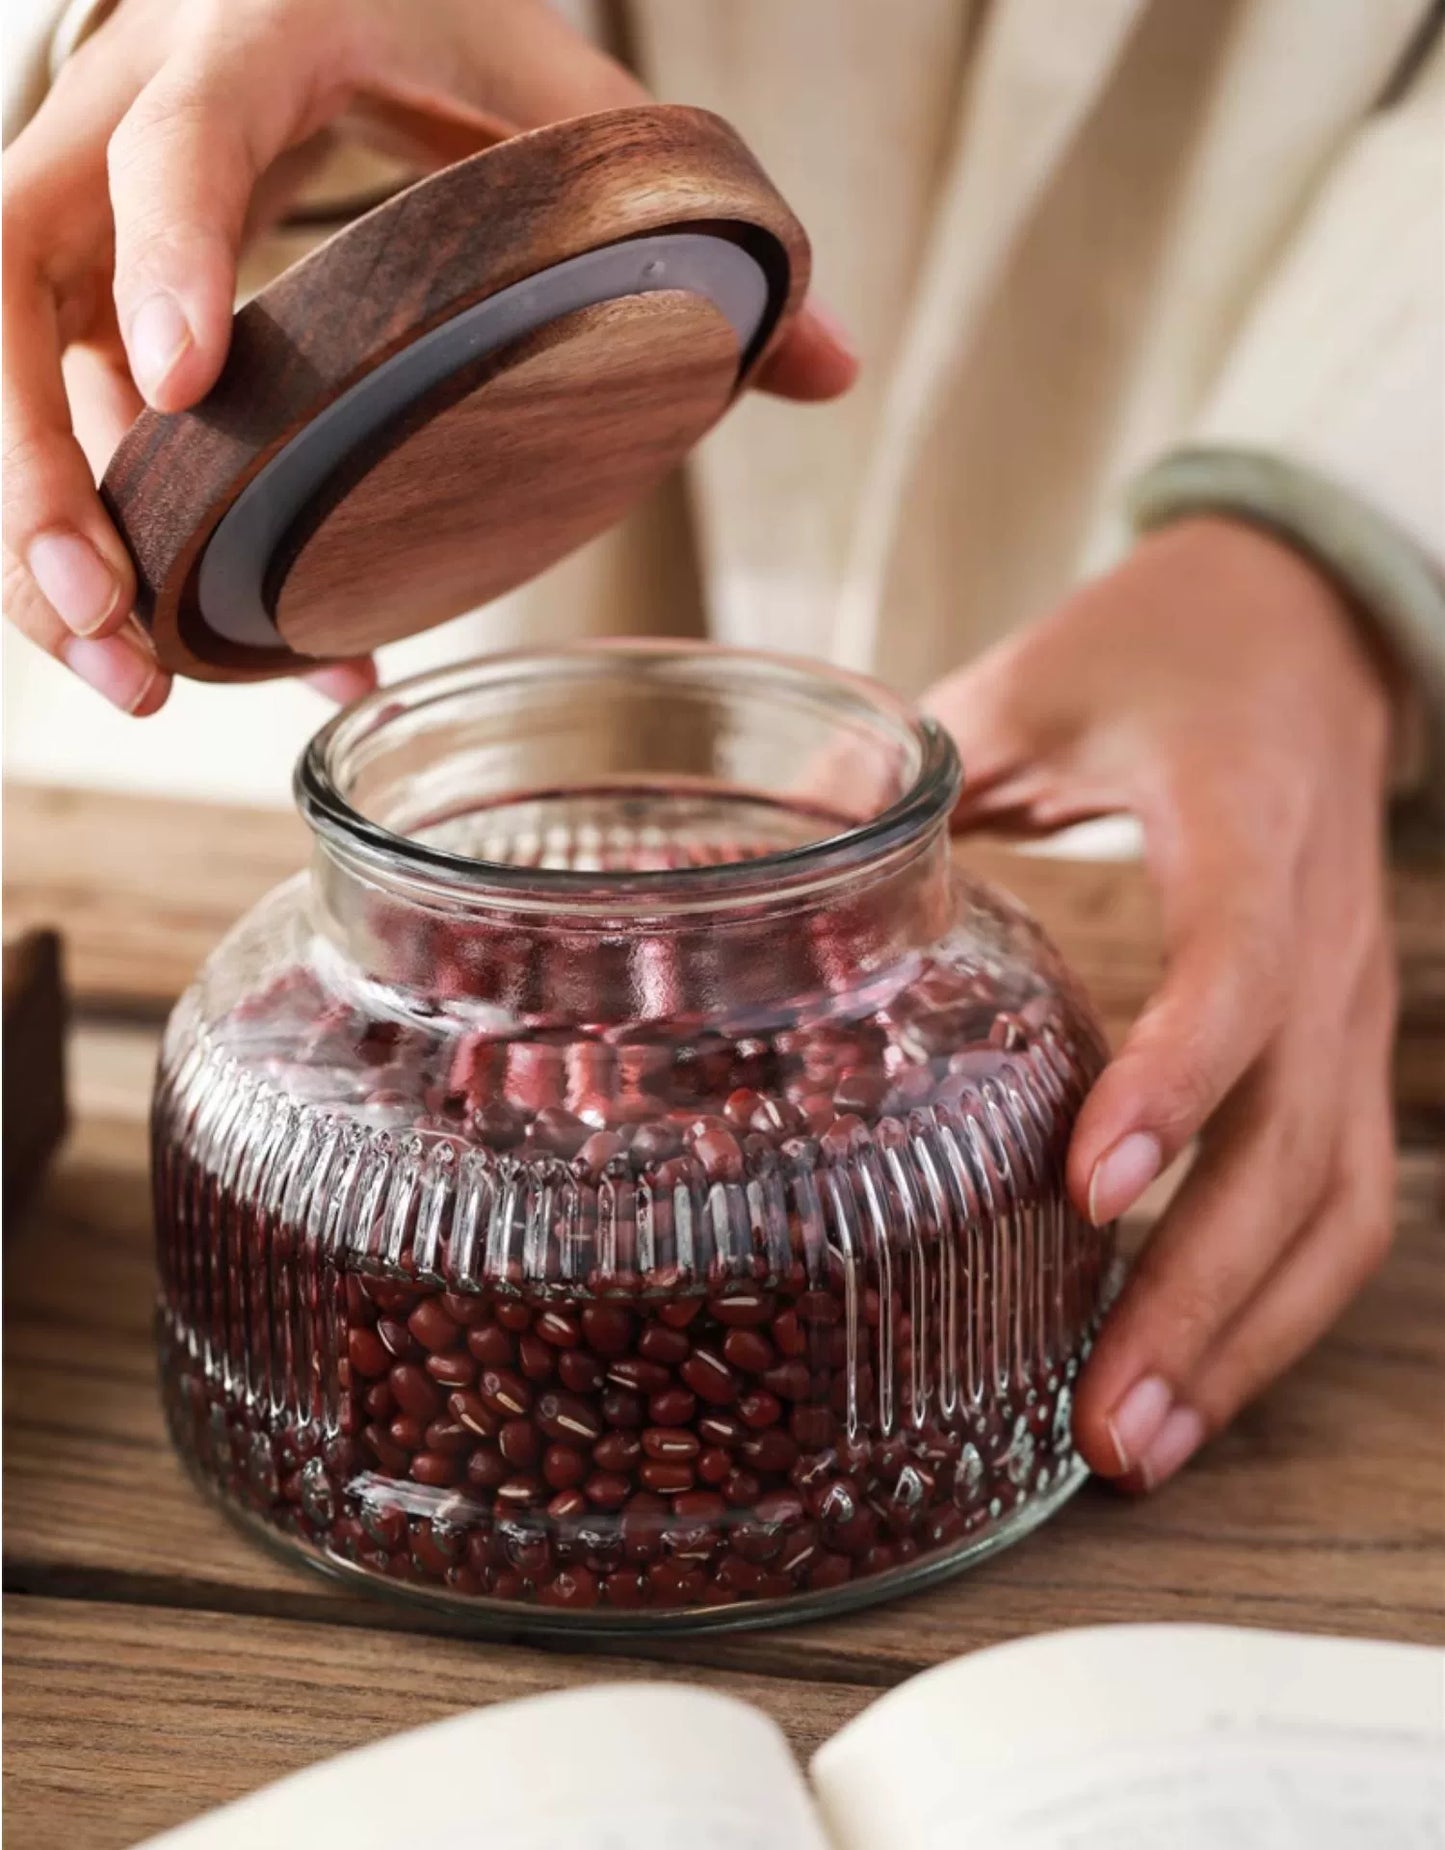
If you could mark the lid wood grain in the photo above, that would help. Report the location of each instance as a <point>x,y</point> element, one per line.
<point>456,391</point>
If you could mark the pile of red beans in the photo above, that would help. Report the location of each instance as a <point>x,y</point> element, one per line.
<point>660,1419</point>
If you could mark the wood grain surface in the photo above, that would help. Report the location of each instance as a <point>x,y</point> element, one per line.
<point>542,445</point>
<point>159,1662</point>
<point>417,261</point>
<point>179,1713</point>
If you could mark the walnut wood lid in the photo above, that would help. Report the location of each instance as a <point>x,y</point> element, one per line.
<point>455,391</point>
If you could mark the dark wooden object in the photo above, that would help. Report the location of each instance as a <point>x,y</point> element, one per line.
<point>507,467</point>
<point>34,1052</point>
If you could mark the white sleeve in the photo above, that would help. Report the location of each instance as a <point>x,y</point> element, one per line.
<point>39,36</point>
<point>1326,421</point>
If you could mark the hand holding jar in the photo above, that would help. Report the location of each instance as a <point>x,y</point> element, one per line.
<point>1216,687</point>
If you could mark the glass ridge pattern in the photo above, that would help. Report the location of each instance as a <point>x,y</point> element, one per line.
<point>589,1325</point>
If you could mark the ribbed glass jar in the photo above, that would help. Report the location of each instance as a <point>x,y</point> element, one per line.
<point>621,1184</point>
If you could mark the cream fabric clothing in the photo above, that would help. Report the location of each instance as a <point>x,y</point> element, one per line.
<point>1072,237</point>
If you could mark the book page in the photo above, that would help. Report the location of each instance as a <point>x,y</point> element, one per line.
<point>1138,1737</point>
<point>630,1766</point>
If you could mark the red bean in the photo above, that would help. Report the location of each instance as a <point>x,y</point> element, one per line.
<point>607,1489</point>
<point>438,1469</point>
<point>464,1308</point>
<point>608,1329</point>
<point>580,1372</point>
<point>378,1401</point>
<point>746,1350</point>
<point>432,1327</point>
<point>456,1370</point>
<point>559,1329</point>
<point>812,1427</point>
<point>666,1479</point>
<point>568,1418</point>
<point>448,1436</point>
<point>626,1589</point>
<point>521,1491</point>
<point>623,1409</point>
<point>536,1361</point>
<point>382,1447</point>
<point>567,1506</point>
<point>406,1433</point>
<point>503,1393</point>
<point>518,1444</point>
<point>486,1467</point>
<point>678,1313</point>
<point>670,1443</point>
<point>829,1570</point>
<point>470,1410</point>
<point>574,1589</point>
<point>720,1429</point>
<point>789,1335</point>
<point>675,1585</point>
<point>617,1452</point>
<point>789,1380</point>
<point>492,1346</point>
<point>771,1451</point>
<point>658,1343</point>
<point>742,1309</point>
<point>563,1466</point>
<point>709,1377</point>
<point>368,1354</point>
<point>672,1407</point>
<point>638,1375</point>
<point>397,1338</point>
<point>414,1391</point>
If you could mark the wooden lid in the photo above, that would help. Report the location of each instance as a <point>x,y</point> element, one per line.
<point>455,391</point>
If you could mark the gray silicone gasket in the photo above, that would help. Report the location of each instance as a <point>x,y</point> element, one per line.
<point>234,564</point>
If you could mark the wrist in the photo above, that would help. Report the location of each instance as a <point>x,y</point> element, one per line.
<point>1315,618</point>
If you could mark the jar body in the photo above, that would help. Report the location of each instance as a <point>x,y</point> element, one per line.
<point>672,1317</point>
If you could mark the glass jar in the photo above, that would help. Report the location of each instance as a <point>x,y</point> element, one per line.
<point>622,1183</point>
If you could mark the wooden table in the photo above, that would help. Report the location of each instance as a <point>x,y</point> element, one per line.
<point>158,1664</point>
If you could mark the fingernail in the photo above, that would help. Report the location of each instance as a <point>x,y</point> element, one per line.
<point>832,326</point>
<point>113,668</point>
<point>1138,1418</point>
<point>1179,1438</point>
<point>343,681</point>
<point>1122,1174</point>
<point>157,337</point>
<point>77,583</point>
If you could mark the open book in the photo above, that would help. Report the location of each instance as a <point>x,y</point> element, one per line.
<point>1148,1737</point>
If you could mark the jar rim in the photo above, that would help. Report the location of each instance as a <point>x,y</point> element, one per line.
<point>920,807</point>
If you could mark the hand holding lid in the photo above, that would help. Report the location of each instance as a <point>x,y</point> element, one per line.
<point>456,391</point>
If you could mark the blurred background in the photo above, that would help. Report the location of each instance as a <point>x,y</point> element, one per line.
<point>1065,239</point>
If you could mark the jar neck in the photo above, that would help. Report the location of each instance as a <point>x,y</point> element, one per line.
<point>741,959</point>
<point>629,832</point>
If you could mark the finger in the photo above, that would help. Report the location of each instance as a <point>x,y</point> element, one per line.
<point>103,401</point>
<point>344,681</point>
<point>1230,899</point>
<point>183,163</point>
<point>66,573</point>
<point>815,359</point>
<point>1191,1366</point>
<point>1265,1166</point>
<point>1302,1298</point>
